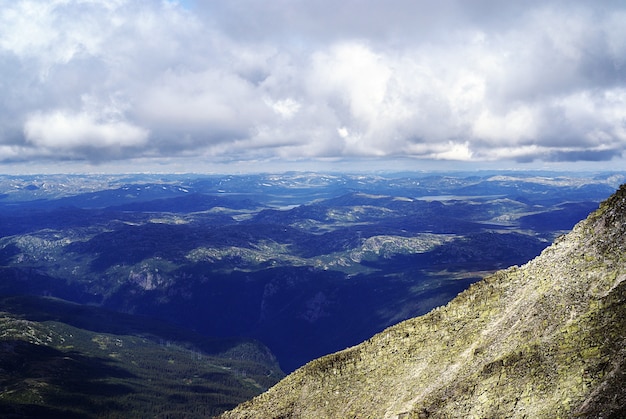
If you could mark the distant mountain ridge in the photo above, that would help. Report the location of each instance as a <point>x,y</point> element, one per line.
<point>307,263</point>
<point>543,340</point>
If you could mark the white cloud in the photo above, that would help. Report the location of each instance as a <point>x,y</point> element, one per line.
<point>355,75</point>
<point>515,126</point>
<point>455,151</point>
<point>286,108</point>
<point>67,130</point>
<point>210,99</point>
<point>451,80</point>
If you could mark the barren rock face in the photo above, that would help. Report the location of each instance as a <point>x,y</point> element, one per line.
<point>545,339</point>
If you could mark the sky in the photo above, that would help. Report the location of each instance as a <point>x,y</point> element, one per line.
<point>252,85</point>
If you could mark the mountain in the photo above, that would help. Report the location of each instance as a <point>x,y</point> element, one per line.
<point>542,340</point>
<point>306,263</point>
<point>62,359</point>
<point>295,266</point>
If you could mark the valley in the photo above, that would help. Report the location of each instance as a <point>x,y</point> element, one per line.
<point>292,266</point>
<point>540,340</point>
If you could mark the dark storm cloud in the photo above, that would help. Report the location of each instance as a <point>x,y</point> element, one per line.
<point>245,80</point>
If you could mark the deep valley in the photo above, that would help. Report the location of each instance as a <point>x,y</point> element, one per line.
<point>239,275</point>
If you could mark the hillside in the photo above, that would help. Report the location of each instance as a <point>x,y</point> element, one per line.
<point>61,359</point>
<point>542,340</point>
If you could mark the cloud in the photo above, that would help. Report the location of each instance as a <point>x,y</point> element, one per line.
<point>201,102</point>
<point>479,80</point>
<point>63,130</point>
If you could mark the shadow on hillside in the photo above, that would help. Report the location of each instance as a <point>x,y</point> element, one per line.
<point>39,380</point>
<point>97,319</point>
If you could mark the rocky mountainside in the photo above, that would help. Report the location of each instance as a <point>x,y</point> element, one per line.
<point>547,339</point>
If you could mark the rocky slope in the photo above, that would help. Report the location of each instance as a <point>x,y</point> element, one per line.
<point>546,339</point>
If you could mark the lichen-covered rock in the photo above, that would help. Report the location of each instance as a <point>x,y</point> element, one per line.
<point>544,340</point>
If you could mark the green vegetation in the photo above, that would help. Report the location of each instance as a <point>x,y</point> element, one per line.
<point>52,369</point>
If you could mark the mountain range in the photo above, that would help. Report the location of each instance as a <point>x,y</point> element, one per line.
<point>242,278</point>
<point>541,340</point>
